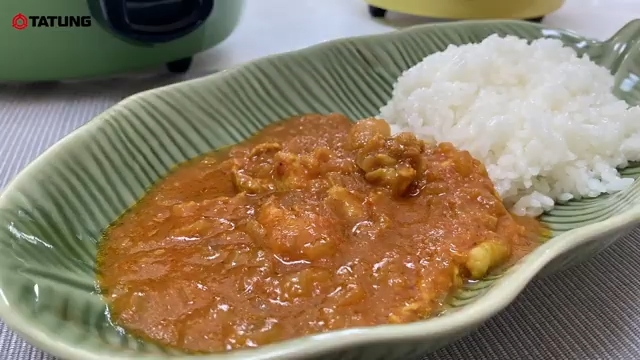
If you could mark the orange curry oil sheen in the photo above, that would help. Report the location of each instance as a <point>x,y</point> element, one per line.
<point>315,224</point>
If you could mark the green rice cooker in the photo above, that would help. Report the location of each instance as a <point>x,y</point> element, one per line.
<point>69,39</point>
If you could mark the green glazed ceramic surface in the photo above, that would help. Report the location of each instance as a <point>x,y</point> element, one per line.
<point>52,214</point>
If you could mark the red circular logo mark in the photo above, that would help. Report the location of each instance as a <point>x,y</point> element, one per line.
<point>20,22</point>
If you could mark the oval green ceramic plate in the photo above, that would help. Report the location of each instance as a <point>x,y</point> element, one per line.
<point>52,214</point>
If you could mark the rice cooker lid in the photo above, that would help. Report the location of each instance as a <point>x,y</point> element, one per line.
<point>151,21</point>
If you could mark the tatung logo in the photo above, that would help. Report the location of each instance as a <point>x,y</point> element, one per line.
<point>21,21</point>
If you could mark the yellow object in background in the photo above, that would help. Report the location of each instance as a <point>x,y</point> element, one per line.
<point>467,9</point>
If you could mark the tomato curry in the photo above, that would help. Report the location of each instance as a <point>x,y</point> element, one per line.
<point>315,224</point>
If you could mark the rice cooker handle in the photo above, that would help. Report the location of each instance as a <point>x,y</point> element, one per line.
<point>155,21</point>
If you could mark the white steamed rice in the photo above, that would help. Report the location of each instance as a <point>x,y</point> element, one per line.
<point>542,120</point>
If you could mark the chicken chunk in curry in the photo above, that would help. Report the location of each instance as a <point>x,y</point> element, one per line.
<point>315,224</point>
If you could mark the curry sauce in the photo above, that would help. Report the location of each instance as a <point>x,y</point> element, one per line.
<point>315,224</point>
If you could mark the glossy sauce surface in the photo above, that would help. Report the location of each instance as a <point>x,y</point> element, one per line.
<point>313,225</point>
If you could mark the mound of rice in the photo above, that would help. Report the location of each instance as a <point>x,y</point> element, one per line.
<point>542,120</point>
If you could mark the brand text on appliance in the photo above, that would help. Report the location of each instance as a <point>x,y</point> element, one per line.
<point>21,21</point>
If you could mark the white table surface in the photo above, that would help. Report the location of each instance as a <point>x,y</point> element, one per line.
<point>588,312</point>
<point>273,26</point>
